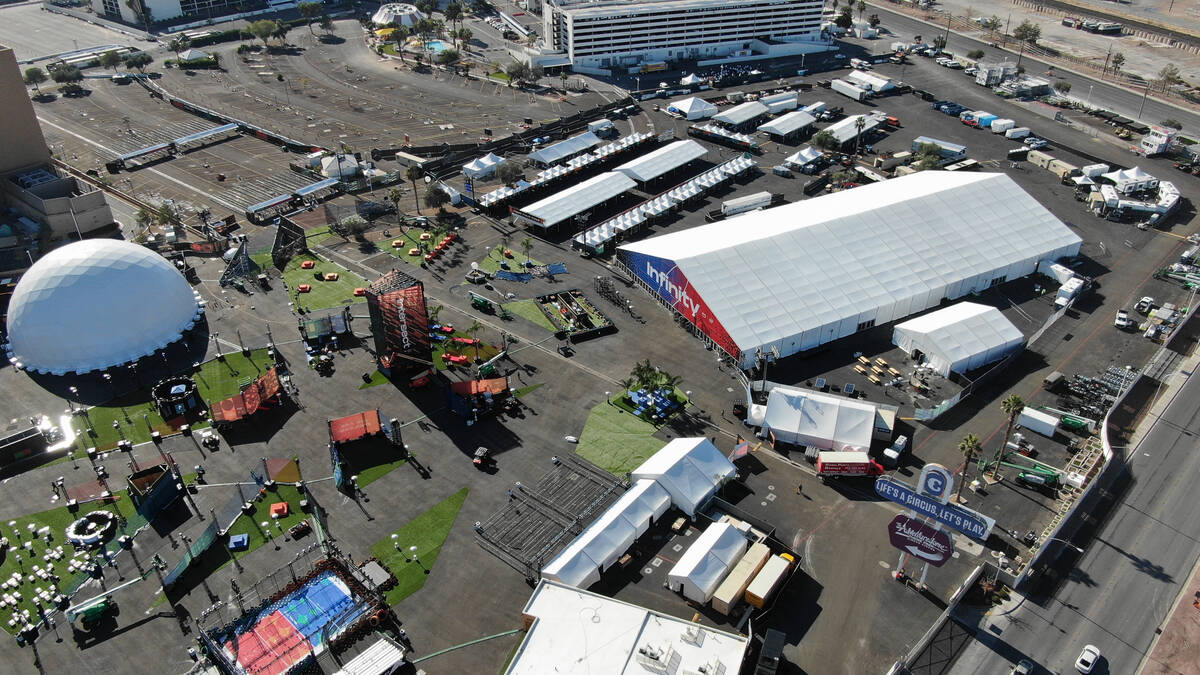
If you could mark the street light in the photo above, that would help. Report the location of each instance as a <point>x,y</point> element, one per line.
<point>1065,543</point>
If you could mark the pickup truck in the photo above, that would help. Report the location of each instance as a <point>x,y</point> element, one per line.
<point>1122,320</point>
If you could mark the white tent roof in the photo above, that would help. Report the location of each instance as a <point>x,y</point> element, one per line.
<point>654,164</point>
<point>845,131</point>
<point>802,274</point>
<point>777,103</point>
<point>483,166</point>
<point>786,124</point>
<point>804,417</point>
<point>400,13</point>
<point>572,566</point>
<point>339,166</point>
<point>578,198</point>
<point>97,303</point>
<point>1129,180</point>
<point>643,503</point>
<point>740,114</point>
<point>690,469</point>
<point>869,80</point>
<point>193,55</point>
<point>556,152</point>
<point>804,156</point>
<point>577,632</point>
<point>694,108</point>
<point>707,561</point>
<point>960,338</point>
<point>691,78</point>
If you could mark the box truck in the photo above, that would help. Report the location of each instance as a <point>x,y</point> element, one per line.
<point>1038,421</point>
<point>846,464</point>
<point>1068,291</point>
<point>846,89</point>
<point>1017,133</point>
<point>731,591</point>
<point>1002,126</point>
<point>758,200</point>
<point>768,580</point>
<point>893,454</point>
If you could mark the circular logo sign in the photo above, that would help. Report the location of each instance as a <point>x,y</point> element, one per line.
<point>935,481</point>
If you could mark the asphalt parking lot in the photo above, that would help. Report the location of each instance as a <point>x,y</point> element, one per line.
<point>34,34</point>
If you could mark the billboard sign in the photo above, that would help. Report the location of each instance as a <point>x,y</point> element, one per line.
<point>920,540</point>
<point>960,518</point>
<point>396,303</point>
<point>666,279</point>
<point>936,481</point>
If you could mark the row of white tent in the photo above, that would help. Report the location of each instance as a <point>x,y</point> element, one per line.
<point>684,473</point>
<point>609,229</point>
<point>727,133</point>
<point>504,192</point>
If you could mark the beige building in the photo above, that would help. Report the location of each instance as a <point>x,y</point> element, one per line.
<point>39,204</point>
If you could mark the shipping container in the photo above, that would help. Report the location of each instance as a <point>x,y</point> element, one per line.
<point>846,89</point>
<point>767,581</point>
<point>1038,421</point>
<point>731,591</point>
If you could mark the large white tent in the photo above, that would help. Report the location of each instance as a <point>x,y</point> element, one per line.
<point>399,13</point>
<point>575,200</point>
<point>557,152</point>
<point>959,338</point>
<point>690,469</point>
<point>693,108</point>
<point>811,418</point>
<point>667,158</point>
<point>786,125</point>
<point>606,539</point>
<point>797,276</point>
<point>804,156</point>
<point>707,561</point>
<point>847,130</point>
<point>742,114</point>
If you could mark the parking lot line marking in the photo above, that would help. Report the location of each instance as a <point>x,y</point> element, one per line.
<point>659,555</point>
<point>823,523</point>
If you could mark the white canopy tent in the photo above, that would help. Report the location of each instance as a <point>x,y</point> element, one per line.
<point>786,125</point>
<point>805,417</point>
<point>339,166</point>
<point>869,81</point>
<point>690,469</point>
<point>576,199</point>
<point>804,156</point>
<point>557,152</point>
<point>707,561</point>
<point>189,55</point>
<point>572,566</point>
<point>959,338</point>
<point>1131,180</point>
<point>742,114</point>
<point>667,158</point>
<point>693,108</point>
<point>483,167</point>
<point>800,275</point>
<point>690,79</point>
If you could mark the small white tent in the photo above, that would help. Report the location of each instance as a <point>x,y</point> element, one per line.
<point>339,166</point>
<point>690,469</point>
<point>1131,180</point>
<point>482,167</point>
<point>690,79</point>
<point>959,338</point>
<point>707,562</point>
<point>693,108</point>
<point>811,418</point>
<point>189,55</point>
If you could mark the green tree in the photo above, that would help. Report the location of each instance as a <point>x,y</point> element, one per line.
<point>1169,75</point>
<point>447,56</point>
<point>110,59</point>
<point>413,174</point>
<point>509,173</point>
<point>262,29</point>
<point>860,123</point>
<point>143,218</point>
<point>1062,87</point>
<point>928,156</point>
<point>1172,123</point>
<point>823,140</point>
<point>433,313</point>
<point>992,24</point>
<point>138,60</point>
<point>845,19</point>
<point>1012,405</point>
<point>526,247</point>
<point>969,447</point>
<point>309,11</point>
<point>66,74</point>
<point>939,42</point>
<point>1118,60</point>
<point>165,214</point>
<point>464,37</point>
<point>874,20</point>
<point>518,72</point>
<point>975,54</point>
<point>399,35</point>
<point>481,6</point>
<point>179,44</point>
<point>436,197</point>
<point>473,331</point>
<point>326,23</point>
<point>394,196</point>
<point>71,89</point>
<point>453,13</point>
<point>861,7</point>
<point>35,77</point>
<point>280,31</point>
<point>1028,32</point>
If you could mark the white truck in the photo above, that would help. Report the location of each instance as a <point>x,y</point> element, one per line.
<point>753,202</point>
<point>852,90</point>
<point>892,455</point>
<point>1157,141</point>
<point>1068,291</point>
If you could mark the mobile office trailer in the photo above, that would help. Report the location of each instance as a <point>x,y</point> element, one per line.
<point>846,89</point>
<point>1017,133</point>
<point>846,464</point>
<point>767,581</point>
<point>1068,291</point>
<point>1063,170</point>
<point>1002,126</point>
<point>1039,159</point>
<point>1038,421</point>
<point>731,591</point>
<point>752,202</point>
<point>892,161</point>
<point>950,152</point>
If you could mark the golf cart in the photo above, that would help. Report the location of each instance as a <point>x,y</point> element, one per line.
<point>483,458</point>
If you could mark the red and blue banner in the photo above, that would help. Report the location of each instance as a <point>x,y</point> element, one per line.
<point>666,279</point>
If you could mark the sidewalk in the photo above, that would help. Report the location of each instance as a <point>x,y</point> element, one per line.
<point>1177,649</point>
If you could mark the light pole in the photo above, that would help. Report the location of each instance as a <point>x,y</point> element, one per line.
<point>1066,543</point>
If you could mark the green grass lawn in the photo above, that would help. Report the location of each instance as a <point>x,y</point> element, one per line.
<point>528,310</point>
<point>371,474</point>
<point>251,524</point>
<point>263,259</point>
<point>377,378</point>
<point>527,390</point>
<point>428,533</point>
<point>491,262</point>
<point>617,441</point>
<point>57,520</point>
<point>136,418</point>
<point>324,294</point>
<point>316,236</point>
<point>486,351</point>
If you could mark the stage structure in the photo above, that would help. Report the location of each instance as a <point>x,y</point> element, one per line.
<point>400,325</point>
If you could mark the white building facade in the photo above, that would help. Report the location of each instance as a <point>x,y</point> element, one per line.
<point>621,34</point>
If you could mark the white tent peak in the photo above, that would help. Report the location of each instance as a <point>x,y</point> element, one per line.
<point>691,470</point>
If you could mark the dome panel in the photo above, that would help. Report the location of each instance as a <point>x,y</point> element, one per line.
<point>95,304</point>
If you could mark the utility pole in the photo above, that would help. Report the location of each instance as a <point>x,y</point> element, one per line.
<point>1144,95</point>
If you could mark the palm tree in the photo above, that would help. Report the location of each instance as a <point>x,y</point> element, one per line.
<point>526,247</point>
<point>413,173</point>
<point>1012,406</point>
<point>860,123</point>
<point>394,197</point>
<point>969,447</point>
<point>433,313</point>
<point>473,331</point>
<point>399,35</point>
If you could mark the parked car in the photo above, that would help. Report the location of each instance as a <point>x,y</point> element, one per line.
<point>1087,659</point>
<point>1122,320</point>
<point>1035,143</point>
<point>1144,305</point>
<point>1023,667</point>
<point>954,65</point>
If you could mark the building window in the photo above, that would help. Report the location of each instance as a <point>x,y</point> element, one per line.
<point>866,324</point>
<point>997,281</point>
<point>112,9</point>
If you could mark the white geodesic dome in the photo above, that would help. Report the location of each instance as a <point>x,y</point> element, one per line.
<point>95,304</point>
<point>400,13</point>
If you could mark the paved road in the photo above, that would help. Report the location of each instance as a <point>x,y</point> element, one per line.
<point>1117,99</point>
<point>1131,573</point>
